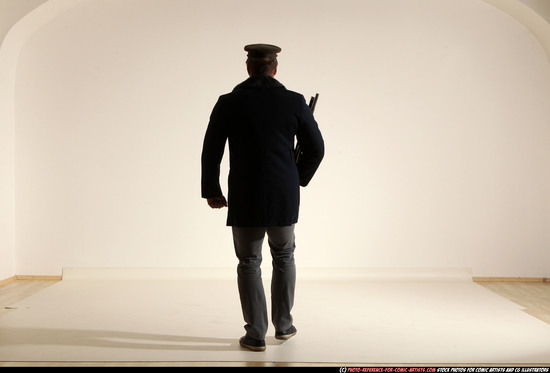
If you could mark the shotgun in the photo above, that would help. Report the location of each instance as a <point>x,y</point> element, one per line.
<point>312,102</point>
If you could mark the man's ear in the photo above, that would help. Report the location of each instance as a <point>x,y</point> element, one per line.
<point>275,72</point>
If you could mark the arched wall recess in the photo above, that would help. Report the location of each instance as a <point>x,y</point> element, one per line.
<point>535,22</point>
<point>10,49</point>
<point>384,102</point>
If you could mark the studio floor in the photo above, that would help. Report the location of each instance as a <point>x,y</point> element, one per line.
<point>184,318</point>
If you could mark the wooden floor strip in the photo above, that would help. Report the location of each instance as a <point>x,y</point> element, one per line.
<point>511,279</point>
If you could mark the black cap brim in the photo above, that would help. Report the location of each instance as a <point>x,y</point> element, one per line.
<point>262,50</point>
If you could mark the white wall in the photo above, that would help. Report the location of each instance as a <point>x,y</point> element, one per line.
<point>11,11</point>
<point>7,162</point>
<point>435,115</point>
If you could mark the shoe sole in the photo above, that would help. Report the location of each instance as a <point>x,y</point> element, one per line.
<point>284,337</point>
<point>253,348</point>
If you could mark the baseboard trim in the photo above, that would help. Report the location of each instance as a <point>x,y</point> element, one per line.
<point>475,279</point>
<point>511,279</point>
<point>324,274</point>
<point>33,277</point>
<point>7,280</point>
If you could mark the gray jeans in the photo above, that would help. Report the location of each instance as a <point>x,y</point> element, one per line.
<point>248,247</point>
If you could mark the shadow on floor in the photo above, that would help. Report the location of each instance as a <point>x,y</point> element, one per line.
<point>118,339</point>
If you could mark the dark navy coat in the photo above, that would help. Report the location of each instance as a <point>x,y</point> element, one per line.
<point>260,119</point>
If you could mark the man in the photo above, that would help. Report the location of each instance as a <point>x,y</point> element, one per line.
<point>260,118</point>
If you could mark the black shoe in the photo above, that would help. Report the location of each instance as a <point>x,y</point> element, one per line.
<point>286,334</point>
<point>252,344</point>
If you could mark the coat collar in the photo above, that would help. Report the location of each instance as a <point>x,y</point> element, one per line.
<point>259,82</point>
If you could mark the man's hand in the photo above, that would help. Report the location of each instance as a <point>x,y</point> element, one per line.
<point>217,202</point>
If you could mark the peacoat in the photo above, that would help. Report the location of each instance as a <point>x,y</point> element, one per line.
<point>260,119</point>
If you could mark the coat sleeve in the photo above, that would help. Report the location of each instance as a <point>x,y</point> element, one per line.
<point>212,153</point>
<point>311,143</point>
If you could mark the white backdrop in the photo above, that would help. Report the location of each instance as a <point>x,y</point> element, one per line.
<point>435,115</point>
